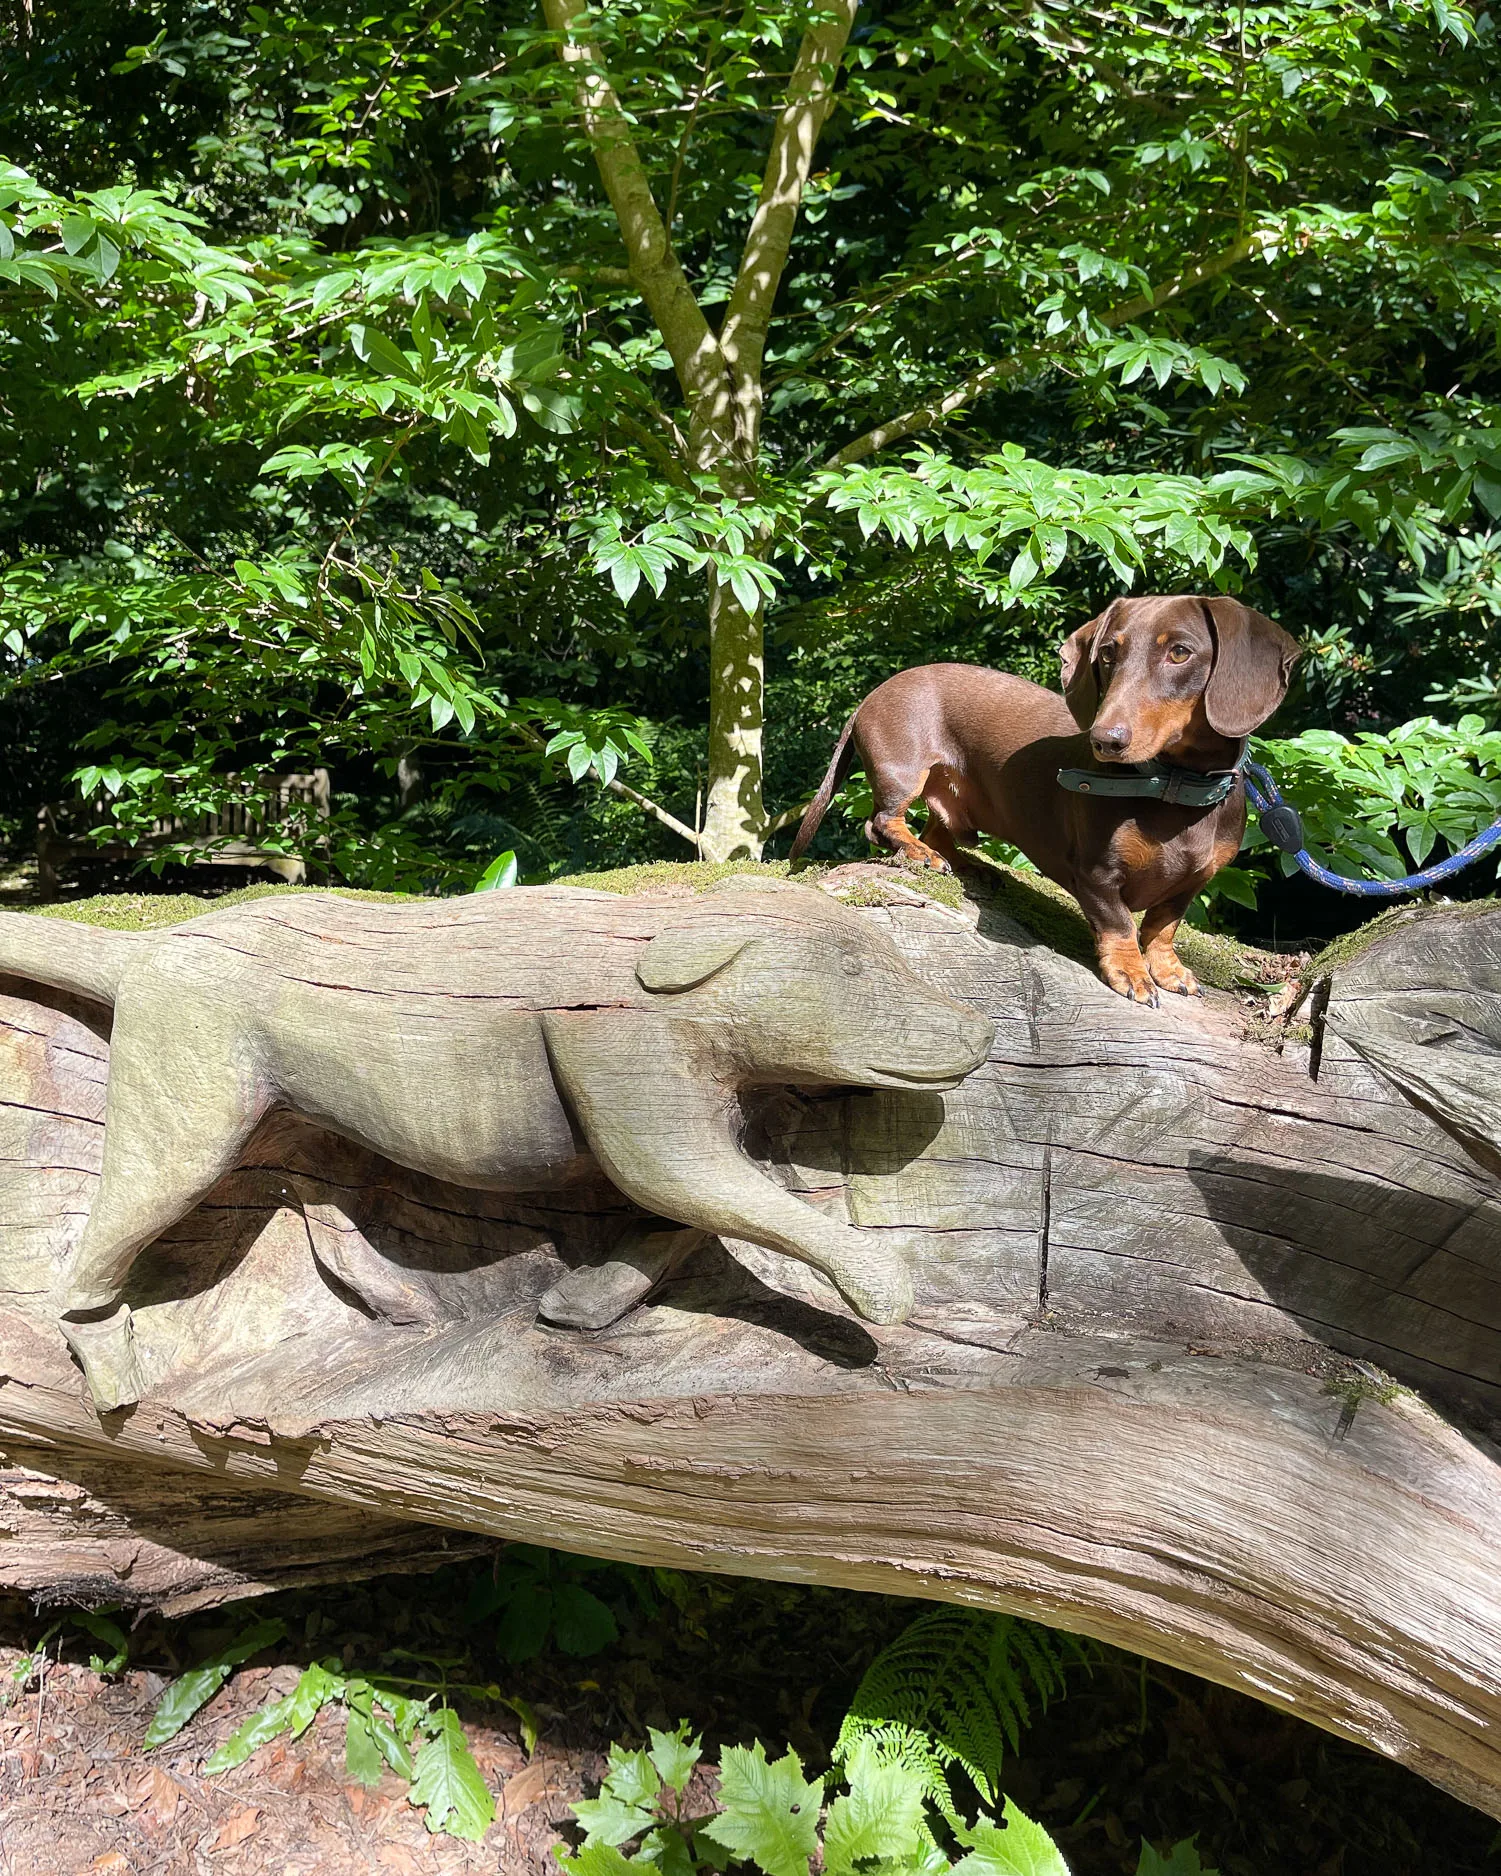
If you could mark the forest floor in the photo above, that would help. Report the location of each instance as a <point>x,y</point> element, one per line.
<point>1133,1752</point>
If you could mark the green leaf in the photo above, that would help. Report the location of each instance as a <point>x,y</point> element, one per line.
<point>363,1759</point>
<point>196,1688</point>
<point>1021,1848</point>
<point>608,1819</point>
<point>448,1782</point>
<point>525,1623</point>
<point>770,1811</point>
<point>669,1849</point>
<point>882,1817</point>
<point>293,1714</point>
<point>377,350</point>
<point>675,1755</point>
<point>110,1633</point>
<point>582,1624</point>
<point>253,1732</point>
<point>500,873</point>
<point>632,1778</point>
<point>602,1859</point>
<point>1183,1861</point>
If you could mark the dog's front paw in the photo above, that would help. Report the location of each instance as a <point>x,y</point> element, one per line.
<point>1169,972</point>
<point>1126,973</point>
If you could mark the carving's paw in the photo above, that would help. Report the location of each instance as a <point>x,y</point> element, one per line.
<point>105,1350</point>
<point>1171,973</point>
<point>878,1287</point>
<point>594,1296</point>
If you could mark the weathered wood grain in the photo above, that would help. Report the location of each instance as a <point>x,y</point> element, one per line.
<point>79,1530</point>
<point>1151,1266</point>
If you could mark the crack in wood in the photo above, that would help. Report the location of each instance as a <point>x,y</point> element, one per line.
<point>1044,1226</point>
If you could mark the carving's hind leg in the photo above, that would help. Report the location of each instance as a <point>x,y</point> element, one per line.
<point>177,1116</point>
<point>895,790</point>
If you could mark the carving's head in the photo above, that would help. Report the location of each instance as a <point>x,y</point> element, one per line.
<point>801,990</point>
<point>1149,676</point>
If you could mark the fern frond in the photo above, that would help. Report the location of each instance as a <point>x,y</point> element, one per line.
<point>955,1689</point>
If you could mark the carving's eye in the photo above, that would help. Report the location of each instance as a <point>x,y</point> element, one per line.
<point>1179,654</point>
<point>852,966</point>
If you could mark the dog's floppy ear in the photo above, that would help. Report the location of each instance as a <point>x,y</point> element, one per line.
<point>1253,661</point>
<point>1081,688</point>
<point>685,956</point>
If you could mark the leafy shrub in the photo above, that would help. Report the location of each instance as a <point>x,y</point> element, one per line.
<point>768,1815</point>
<point>1379,805</point>
<point>541,1599</point>
<point>416,1734</point>
<point>952,1691</point>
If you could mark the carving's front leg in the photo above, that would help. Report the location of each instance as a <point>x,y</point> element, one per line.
<point>661,1127</point>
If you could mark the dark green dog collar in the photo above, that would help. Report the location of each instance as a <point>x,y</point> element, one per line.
<point>1154,781</point>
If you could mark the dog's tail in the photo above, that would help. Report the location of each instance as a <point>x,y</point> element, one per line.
<point>818,807</point>
<point>86,959</point>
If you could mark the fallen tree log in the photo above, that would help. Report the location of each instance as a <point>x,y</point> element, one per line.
<point>1205,1355</point>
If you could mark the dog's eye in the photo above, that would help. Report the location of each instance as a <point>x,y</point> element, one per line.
<point>1107,654</point>
<point>1180,654</point>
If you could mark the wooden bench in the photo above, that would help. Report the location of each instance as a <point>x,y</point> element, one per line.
<point>232,837</point>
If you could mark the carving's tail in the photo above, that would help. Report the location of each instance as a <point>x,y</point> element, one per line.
<point>818,807</point>
<point>86,959</point>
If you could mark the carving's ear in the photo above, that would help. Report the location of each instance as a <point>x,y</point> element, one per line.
<point>684,956</point>
<point>1253,661</point>
<point>1081,688</point>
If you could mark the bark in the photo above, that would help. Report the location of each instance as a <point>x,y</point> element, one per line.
<point>734,812</point>
<point>1205,1358</point>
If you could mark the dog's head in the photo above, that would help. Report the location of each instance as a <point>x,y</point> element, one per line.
<point>788,986</point>
<point>1147,675</point>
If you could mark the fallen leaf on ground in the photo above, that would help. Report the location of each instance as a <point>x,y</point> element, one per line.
<point>236,1829</point>
<point>525,1788</point>
<point>166,1795</point>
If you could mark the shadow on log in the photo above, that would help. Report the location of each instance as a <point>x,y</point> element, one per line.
<point>1204,1357</point>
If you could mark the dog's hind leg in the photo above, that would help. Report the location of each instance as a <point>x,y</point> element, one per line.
<point>178,1114</point>
<point>895,790</point>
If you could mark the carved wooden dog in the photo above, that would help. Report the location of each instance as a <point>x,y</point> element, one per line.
<point>497,1041</point>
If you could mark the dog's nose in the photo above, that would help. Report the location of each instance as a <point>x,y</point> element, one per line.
<point>1109,738</point>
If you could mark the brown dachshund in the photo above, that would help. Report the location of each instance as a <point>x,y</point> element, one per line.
<point>1175,683</point>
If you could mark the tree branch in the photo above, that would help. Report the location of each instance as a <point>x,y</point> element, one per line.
<point>655,270</point>
<point>810,98</point>
<point>929,415</point>
<point>787,817</point>
<point>618,787</point>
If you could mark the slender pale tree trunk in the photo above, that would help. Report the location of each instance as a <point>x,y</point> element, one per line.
<point>734,813</point>
<point>719,374</point>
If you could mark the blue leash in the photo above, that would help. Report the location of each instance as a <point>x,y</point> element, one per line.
<point>1283,827</point>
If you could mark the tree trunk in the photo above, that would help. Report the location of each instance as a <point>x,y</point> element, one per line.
<point>734,811</point>
<point>1205,1357</point>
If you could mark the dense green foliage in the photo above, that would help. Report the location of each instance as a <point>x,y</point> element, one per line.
<point>350,423</point>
